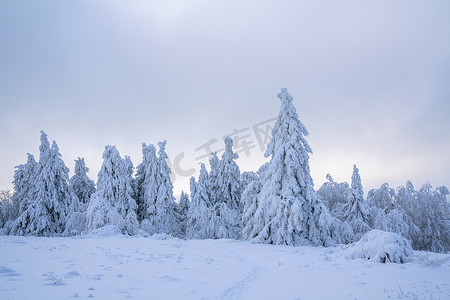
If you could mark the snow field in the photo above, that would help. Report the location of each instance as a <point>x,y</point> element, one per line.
<point>168,268</point>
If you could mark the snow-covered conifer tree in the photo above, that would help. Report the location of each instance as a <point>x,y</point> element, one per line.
<point>82,186</point>
<point>157,206</point>
<point>200,216</point>
<point>182,212</point>
<point>394,220</point>
<point>24,183</point>
<point>246,178</point>
<point>213,177</point>
<point>43,147</point>
<point>387,214</point>
<point>6,210</point>
<point>433,222</point>
<point>356,212</point>
<point>288,209</point>
<point>250,186</point>
<point>382,198</point>
<point>183,205</point>
<point>147,188</point>
<point>112,203</point>
<point>227,186</point>
<point>51,198</point>
<point>407,198</point>
<point>164,219</point>
<point>250,202</point>
<point>129,167</point>
<point>334,195</point>
<point>422,216</point>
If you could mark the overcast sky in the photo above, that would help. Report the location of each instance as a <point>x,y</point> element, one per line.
<point>370,80</point>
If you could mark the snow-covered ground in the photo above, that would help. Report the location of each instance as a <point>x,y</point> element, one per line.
<point>152,268</point>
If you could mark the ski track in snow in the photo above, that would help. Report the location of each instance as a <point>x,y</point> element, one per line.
<point>235,290</point>
<point>152,268</point>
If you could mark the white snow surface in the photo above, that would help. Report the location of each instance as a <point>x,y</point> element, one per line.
<point>163,267</point>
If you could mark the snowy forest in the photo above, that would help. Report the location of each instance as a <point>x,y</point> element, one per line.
<point>277,204</point>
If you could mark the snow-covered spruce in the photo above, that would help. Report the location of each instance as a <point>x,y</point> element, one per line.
<point>6,210</point>
<point>112,203</point>
<point>216,206</point>
<point>47,202</point>
<point>288,210</point>
<point>421,216</point>
<point>381,246</point>
<point>213,178</point>
<point>81,184</point>
<point>334,195</point>
<point>156,203</point>
<point>182,212</point>
<point>407,198</point>
<point>433,219</point>
<point>246,178</point>
<point>165,205</point>
<point>250,201</point>
<point>356,212</point>
<point>227,206</point>
<point>130,169</point>
<point>382,198</point>
<point>83,187</point>
<point>200,216</point>
<point>228,178</point>
<point>24,178</point>
<point>250,186</point>
<point>388,215</point>
<point>146,185</point>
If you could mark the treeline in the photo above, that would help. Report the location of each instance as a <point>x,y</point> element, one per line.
<point>276,205</point>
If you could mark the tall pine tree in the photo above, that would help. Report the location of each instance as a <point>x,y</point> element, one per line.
<point>227,205</point>
<point>356,212</point>
<point>213,178</point>
<point>24,182</point>
<point>51,196</point>
<point>288,210</point>
<point>113,203</point>
<point>434,219</point>
<point>200,217</point>
<point>157,206</point>
<point>165,216</point>
<point>82,186</point>
<point>228,178</point>
<point>334,195</point>
<point>147,188</point>
<point>182,212</point>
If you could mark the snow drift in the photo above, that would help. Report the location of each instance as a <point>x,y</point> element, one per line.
<point>381,246</point>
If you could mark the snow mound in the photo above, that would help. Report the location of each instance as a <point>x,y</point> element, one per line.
<point>382,247</point>
<point>106,231</point>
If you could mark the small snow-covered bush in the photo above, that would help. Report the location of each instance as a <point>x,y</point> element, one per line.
<point>381,246</point>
